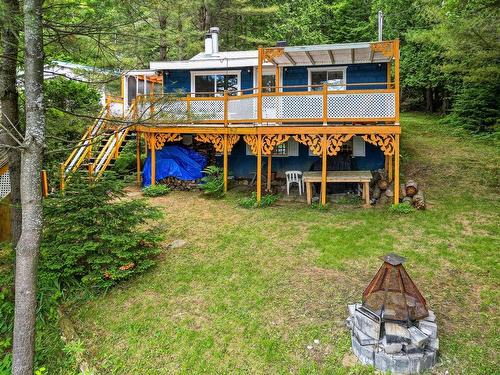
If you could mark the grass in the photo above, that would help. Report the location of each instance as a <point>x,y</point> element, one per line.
<point>253,289</point>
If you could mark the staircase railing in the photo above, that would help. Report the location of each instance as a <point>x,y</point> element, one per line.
<point>110,150</point>
<point>84,147</point>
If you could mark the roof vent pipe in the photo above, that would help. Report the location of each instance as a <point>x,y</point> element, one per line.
<point>214,32</point>
<point>208,44</point>
<point>380,25</point>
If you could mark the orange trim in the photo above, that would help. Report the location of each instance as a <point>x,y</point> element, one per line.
<point>4,169</point>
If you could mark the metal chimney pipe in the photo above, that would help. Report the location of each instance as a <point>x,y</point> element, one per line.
<point>208,44</point>
<point>380,25</point>
<point>214,31</point>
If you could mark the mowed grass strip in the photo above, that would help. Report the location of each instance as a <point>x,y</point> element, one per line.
<point>253,289</point>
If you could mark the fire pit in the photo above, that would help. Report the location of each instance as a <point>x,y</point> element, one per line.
<point>392,329</point>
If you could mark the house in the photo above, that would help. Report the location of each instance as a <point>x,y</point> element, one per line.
<point>266,110</point>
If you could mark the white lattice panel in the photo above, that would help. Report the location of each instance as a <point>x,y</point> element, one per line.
<point>207,109</point>
<point>171,110</point>
<point>4,185</point>
<point>369,105</point>
<point>242,109</point>
<point>116,109</point>
<point>292,107</point>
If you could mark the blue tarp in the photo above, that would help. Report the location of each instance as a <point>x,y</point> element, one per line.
<point>175,161</point>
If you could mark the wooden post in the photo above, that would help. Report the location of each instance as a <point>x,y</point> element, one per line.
<point>259,86</point>
<point>116,144</point>
<point>153,159</point>
<point>138,157</point>
<point>269,171</point>
<point>226,109</point>
<point>91,172</point>
<point>323,170</point>
<point>188,107</point>
<point>396,77</point>
<point>225,162</point>
<point>45,185</point>
<point>325,104</point>
<point>61,176</point>
<point>259,167</point>
<point>396,169</point>
<point>389,168</point>
<point>277,79</point>
<point>389,74</point>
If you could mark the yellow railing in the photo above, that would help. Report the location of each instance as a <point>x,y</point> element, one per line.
<point>279,104</point>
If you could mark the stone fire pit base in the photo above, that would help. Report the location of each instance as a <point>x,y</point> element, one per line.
<point>390,346</point>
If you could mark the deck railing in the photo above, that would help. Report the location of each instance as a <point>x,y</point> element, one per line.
<point>283,104</point>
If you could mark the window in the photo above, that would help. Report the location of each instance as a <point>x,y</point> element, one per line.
<point>269,82</point>
<point>289,148</point>
<point>333,77</point>
<point>215,83</point>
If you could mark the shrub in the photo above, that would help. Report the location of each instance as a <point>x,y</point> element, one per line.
<point>92,237</point>
<point>265,201</point>
<point>213,181</point>
<point>156,190</point>
<point>402,208</point>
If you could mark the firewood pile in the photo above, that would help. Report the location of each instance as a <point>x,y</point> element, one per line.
<point>181,185</point>
<point>206,149</point>
<point>382,192</point>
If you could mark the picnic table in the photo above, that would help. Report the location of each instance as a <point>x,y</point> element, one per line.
<point>363,177</point>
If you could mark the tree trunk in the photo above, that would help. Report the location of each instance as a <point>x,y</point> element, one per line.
<point>429,102</point>
<point>10,108</point>
<point>162,23</point>
<point>31,196</point>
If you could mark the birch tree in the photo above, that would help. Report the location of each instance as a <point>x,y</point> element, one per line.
<point>27,248</point>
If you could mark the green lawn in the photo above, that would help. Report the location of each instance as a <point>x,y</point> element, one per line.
<point>252,289</point>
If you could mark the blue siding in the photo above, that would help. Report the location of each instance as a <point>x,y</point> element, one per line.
<point>180,80</point>
<point>355,73</point>
<point>243,165</point>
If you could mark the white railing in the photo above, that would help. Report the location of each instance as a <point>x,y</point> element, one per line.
<point>323,106</point>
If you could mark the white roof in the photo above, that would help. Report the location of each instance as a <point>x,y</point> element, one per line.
<point>323,54</point>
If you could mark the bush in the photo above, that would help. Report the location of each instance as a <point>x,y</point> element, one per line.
<point>265,201</point>
<point>156,190</point>
<point>402,208</point>
<point>92,237</point>
<point>213,181</point>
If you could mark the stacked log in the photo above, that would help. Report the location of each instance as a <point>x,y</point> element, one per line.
<point>181,185</point>
<point>382,192</point>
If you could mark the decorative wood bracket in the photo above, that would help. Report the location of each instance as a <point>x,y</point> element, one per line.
<point>385,141</point>
<point>218,141</point>
<point>269,142</point>
<point>384,47</point>
<point>335,142</point>
<point>269,54</point>
<point>313,141</point>
<point>159,139</point>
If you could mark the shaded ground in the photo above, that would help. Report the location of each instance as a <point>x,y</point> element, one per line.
<point>253,289</point>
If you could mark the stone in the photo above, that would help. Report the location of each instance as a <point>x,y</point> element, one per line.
<point>396,333</point>
<point>431,317</point>
<point>352,308</point>
<point>176,244</point>
<point>348,322</point>
<point>363,338</point>
<point>429,328</point>
<point>365,353</point>
<point>434,344</point>
<point>393,348</point>
<point>418,338</point>
<point>367,322</point>
<point>410,349</point>
<point>391,362</point>
<point>309,347</point>
<point>316,341</point>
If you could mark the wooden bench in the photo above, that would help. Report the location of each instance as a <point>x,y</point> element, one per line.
<point>363,177</point>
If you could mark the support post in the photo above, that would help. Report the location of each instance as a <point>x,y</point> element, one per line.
<point>188,107</point>
<point>396,75</point>
<point>61,176</point>
<point>259,86</point>
<point>226,109</point>
<point>116,144</point>
<point>45,185</point>
<point>389,74</point>
<point>91,173</point>
<point>225,163</point>
<point>323,170</point>
<point>153,159</point>
<point>269,171</point>
<point>396,169</point>
<point>389,168</point>
<point>277,79</point>
<point>259,167</point>
<point>138,157</point>
<point>325,104</point>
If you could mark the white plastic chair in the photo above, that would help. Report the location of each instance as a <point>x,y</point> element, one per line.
<point>294,177</point>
